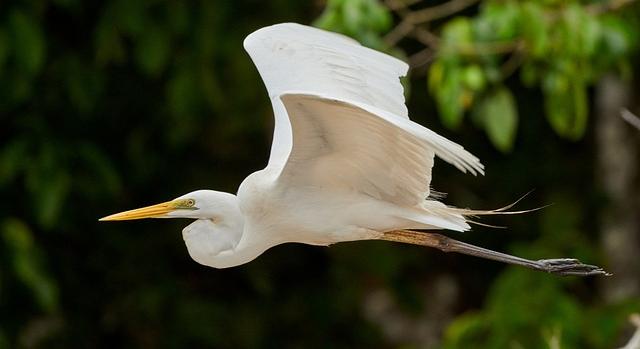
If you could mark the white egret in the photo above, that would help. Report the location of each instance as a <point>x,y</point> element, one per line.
<point>346,162</point>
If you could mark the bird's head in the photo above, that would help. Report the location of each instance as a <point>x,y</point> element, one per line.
<point>212,238</point>
<point>199,204</point>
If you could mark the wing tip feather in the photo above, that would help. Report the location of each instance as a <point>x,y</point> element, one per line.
<point>287,28</point>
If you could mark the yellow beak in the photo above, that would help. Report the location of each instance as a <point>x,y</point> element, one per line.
<point>153,211</point>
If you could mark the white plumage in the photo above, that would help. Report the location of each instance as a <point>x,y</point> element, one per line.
<point>346,162</point>
<point>294,57</point>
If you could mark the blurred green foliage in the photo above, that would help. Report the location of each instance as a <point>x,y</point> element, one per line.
<point>526,309</point>
<point>562,47</point>
<point>365,20</point>
<point>115,104</point>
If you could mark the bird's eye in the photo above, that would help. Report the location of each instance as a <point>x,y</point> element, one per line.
<point>190,203</point>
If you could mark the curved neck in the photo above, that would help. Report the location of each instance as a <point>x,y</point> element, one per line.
<point>248,249</point>
<point>225,243</point>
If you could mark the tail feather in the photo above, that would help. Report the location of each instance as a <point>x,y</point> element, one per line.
<point>437,215</point>
<point>499,211</point>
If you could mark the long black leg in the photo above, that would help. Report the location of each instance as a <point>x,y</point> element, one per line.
<point>561,266</point>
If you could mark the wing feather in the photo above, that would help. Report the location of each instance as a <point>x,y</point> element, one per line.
<point>291,56</point>
<point>338,146</point>
<point>341,119</point>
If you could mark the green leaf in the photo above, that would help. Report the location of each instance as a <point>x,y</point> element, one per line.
<point>48,183</point>
<point>498,114</point>
<point>329,20</point>
<point>581,31</point>
<point>529,74</point>
<point>103,175</point>
<point>26,264</point>
<point>609,320</point>
<point>457,31</point>
<point>16,88</point>
<point>566,107</point>
<point>13,157</point>
<point>378,15</point>
<point>131,16</point>
<point>498,20</point>
<point>474,77</point>
<point>208,26</point>
<point>590,33</point>
<point>363,20</point>
<point>544,306</point>
<point>371,39</point>
<point>616,36</point>
<point>51,198</point>
<point>152,50</point>
<point>84,86</point>
<point>331,17</point>
<point>568,29</point>
<point>457,40</point>
<point>465,328</point>
<point>352,11</point>
<point>534,29</point>
<point>446,84</point>
<point>210,87</point>
<point>436,75</point>
<point>28,42</point>
<point>182,92</point>
<point>185,101</point>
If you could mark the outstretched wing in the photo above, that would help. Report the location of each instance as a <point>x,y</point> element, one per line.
<point>294,57</point>
<point>354,147</point>
<point>341,122</point>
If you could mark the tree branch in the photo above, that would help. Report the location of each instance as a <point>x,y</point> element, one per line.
<point>488,48</point>
<point>396,5</point>
<point>440,11</point>
<point>630,118</point>
<point>426,37</point>
<point>634,342</point>
<point>421,58</point>
<point>514,61</point>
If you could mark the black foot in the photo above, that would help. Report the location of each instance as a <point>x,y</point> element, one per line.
<point>569,266</point>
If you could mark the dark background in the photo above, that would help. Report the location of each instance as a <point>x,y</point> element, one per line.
<point>111,105</point>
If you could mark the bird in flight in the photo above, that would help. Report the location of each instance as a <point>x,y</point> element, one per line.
<point>346,162</point>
